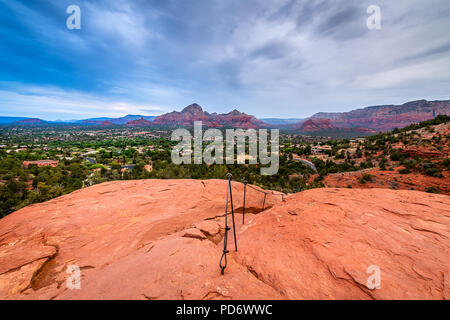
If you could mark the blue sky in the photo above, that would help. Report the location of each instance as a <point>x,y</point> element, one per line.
<point>270,58</point>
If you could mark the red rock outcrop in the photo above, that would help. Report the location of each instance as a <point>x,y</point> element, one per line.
<point>237,119</point>
<point>422,151</point>
<point>107,123</point>
<point>29,121</point>
<point>388,117</point>
<point>313,125</point>
<point>325,126</point>
<point>139,122</point>
<point>389,180</point>
<point>186,117</point>
<point>194,112</point>
<point>162,239</point>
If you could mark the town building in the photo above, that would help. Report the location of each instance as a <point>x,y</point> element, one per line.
<point>321,149</point>
<point>91,160</point>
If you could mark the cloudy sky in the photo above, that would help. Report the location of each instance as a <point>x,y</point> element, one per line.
<point>270,58</point>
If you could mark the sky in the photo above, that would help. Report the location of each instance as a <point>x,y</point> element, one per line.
<point>269,58</point>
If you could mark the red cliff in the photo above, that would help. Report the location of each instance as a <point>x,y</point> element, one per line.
<point>388,117</point>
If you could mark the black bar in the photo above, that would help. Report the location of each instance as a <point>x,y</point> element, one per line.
<point>243,209</point>
<point>225,237</point>
<point>236,309</point>
<point>232,215</point>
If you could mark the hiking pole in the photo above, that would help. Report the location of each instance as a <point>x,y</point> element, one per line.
<point>230,176</point>
<point>225,237</point>
<point>243,210</point>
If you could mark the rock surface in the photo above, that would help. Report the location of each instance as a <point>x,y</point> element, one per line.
<point>162,239</point>
<point>319,244</point>
<point>103,227</point>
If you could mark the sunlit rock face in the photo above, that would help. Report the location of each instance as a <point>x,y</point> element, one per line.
<point>194,112</point>
<point>389,117</point>
<point>162,239</point>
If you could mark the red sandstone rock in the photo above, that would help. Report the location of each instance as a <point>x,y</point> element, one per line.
<point>194,234</point>
<point>29,121</point>
<point>389,180</point>
<point>157,239</point>
<point>319,244</point>
<point>312,125</point>
<point>107,123</point>
<point>139,122</point>
<point>101,225</point>
<point>195,112</point>
<point>423,152</point>
<point>326,125</point>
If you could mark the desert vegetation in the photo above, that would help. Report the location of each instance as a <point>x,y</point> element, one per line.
<point>90,155</point>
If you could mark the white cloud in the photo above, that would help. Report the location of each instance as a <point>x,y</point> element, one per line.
<point>277,58</point>
<point>53,103</point>
<point>407,76</point>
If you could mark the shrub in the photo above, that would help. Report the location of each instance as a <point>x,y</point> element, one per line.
<point>366,178</point>
<point>432,190</point>
<point>395,156</point>
<point>433,172</point>
<point>446,163</point>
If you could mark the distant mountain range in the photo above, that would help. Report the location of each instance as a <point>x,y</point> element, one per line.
<point>26,121</point>
<point>9,120</point>
<point>387,117</point>
<point>281,122</point>
<point>361,121</point>
<point>115,121</point>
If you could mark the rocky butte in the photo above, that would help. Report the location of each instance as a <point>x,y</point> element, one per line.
<point>194,112</point>
<point>162,239</point>
<point>139,122</point>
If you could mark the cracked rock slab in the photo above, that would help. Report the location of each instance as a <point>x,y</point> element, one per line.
<point>157,244</point>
